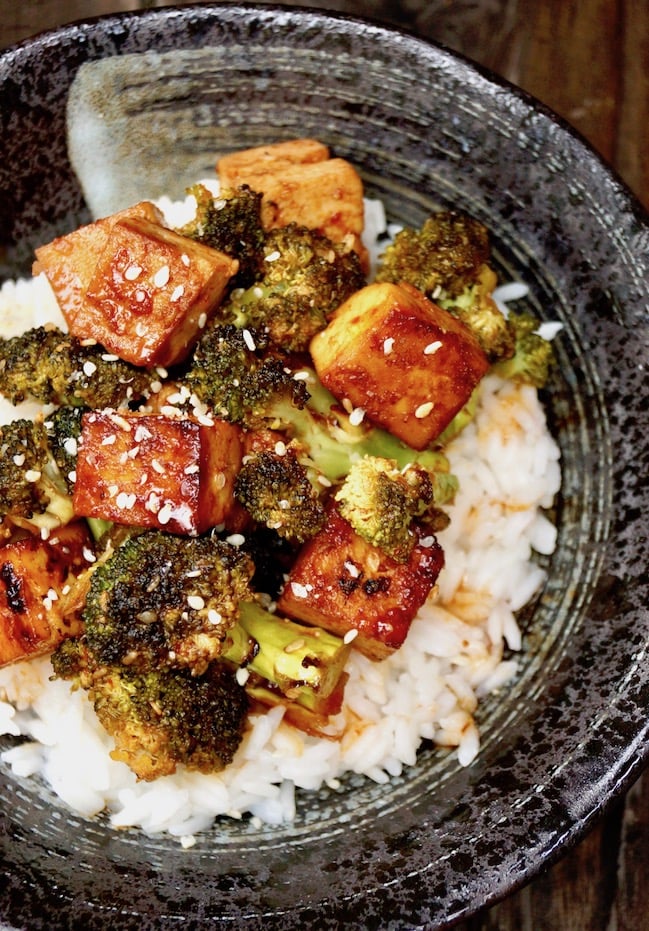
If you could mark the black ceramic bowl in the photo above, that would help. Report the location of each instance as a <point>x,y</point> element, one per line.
<point>425,129</point>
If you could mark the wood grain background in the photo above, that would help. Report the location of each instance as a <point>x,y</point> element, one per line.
<point>588,60</point>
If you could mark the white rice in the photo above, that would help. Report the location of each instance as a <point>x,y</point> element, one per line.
<point>508,467</point>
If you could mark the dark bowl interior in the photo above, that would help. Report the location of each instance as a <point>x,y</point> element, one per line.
<point>425,129</point>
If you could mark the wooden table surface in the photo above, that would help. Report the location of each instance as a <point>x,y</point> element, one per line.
<point>589,61</point>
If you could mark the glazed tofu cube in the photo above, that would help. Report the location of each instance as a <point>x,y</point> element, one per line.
<point>34,576</point>
<point>349,587</point>
<point>154,471</point>
<point>238,167</point>
<point>325,195</point>
<point>69,261</point>
<point>141,290</point>
<point>409,364</point>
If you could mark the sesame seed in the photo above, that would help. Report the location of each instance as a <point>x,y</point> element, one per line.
<point>273,256</point>
<point>89,341</point>
<point>195,602</point>
<point>113,490</point>
<point>388,345</point>
<point>19,459</point>
<point>120,422</point>
<point>142,433</point>
<point>242,675</point>
<point>424,410</point>
<point>191,469</point>
<point>214,617</point>
<point>427,541</point>
<point>352,569</point>
<point>300,591</point>
<point>202,320</point>
<point>356,416</point>
<point>140,297</point>
<point>152,503</point>
<point>184,258</point>
<point>165,513</point>
<point>235,539</point>
<point>89,368</point>
<point>324,481</point>
<point>156,387</point>
<point>109,440</point>
<point>109,357</point>
<point>350,635</point>
<point>432,348</point>
<point>177,293</point>
<point>258,292</point>
<point>158,467</point>
<point>295,645</point>
<point>32,475</point>
<point>88,555</point>
<point>70,446</point>
<point>133,452</point>
<point>72,476</point>
<point>347,404</point>
<point>301,376</point>
<point>133,272</point>
<point>125,501</point>
<point>161,277</point>
<point>280,448</point>
<point>248,340</point>
<point>219,480</point>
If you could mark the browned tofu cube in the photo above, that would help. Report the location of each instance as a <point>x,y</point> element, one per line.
<point>409,364</point>
<point>150,470</point>
<point>325,195</point>
<point>268,159</point>
<point>344,584</point>
<point>34,577</point>
<point>141,290</point>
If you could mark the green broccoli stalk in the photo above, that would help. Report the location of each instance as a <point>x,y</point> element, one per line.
<point>293,658</point>
<point>533,356</point>
<point>304,278</point>
<point>55,368</point>
<point>33,493</point>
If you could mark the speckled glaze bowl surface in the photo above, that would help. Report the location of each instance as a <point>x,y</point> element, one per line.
<point>141,103</point>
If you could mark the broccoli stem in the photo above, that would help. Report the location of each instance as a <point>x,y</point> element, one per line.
<point>333,443</point>
<point>290,656</point>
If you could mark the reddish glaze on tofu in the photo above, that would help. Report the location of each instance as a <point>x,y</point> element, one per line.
<point>34,575</point>
<point>409,364</point>
<point>342,583</point>
<point>134,286</point>
<point>156,471</point>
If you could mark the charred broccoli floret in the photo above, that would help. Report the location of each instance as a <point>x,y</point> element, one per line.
<point>304,278</point>
<point>447,258</point>
<point>55,368</point>
<point>533,356</point>
<point>64,433</point>
<point>161,600</point>
<point>231,223</point>
<point>161,718</point>
<point>277,491</point>
<point>32,490</point>
<point>443,257</point>
<point>244,378</point>
<point>381,502</point>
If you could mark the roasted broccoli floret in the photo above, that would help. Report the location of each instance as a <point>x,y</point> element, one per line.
<point>277,491</point>
<point>381,502</point>
<point>161,600</point>
<point>55,368</point>
<point>533,356</point>
<point>231,223</point>
<point>160,718</point>
<point>447,258</point>
<point>64,433</point>
<point>244,378</point>
<point>304,278</point>
<point>32,490</point>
